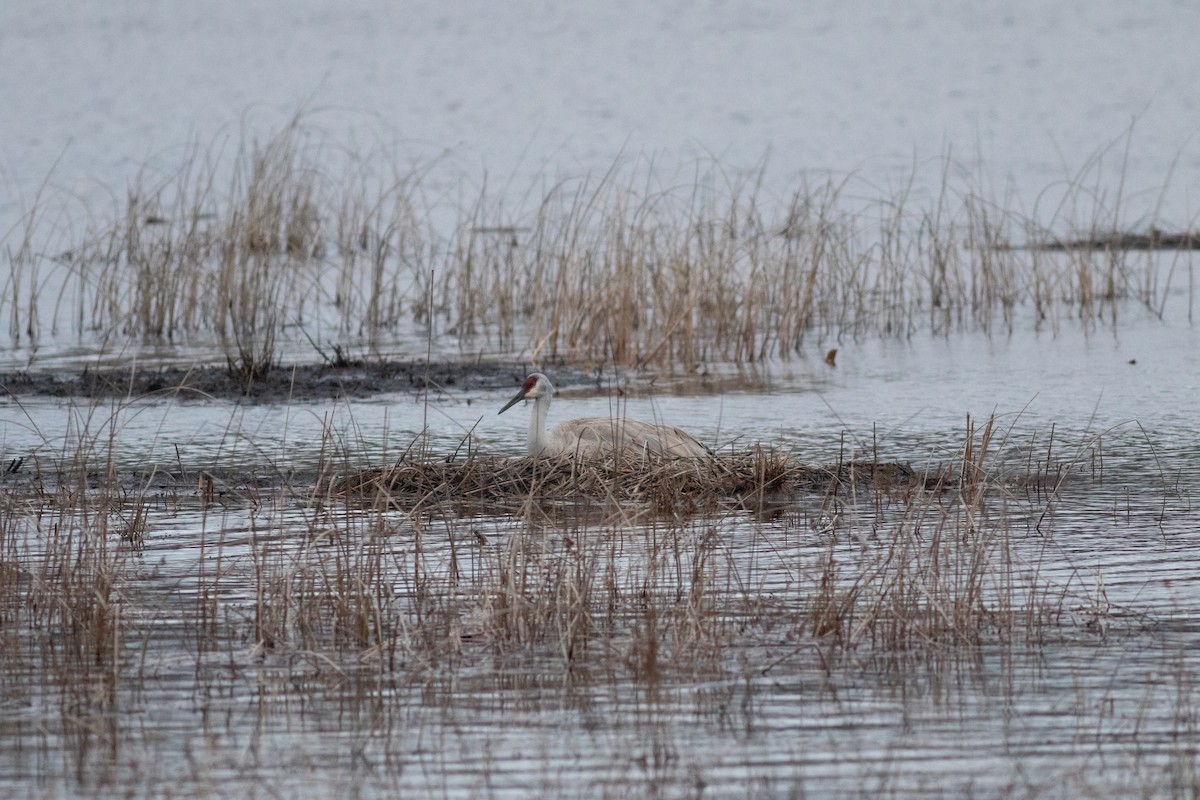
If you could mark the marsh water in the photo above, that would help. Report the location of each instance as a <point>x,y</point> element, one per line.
<point>1098,698</point>
<point>235,664</point>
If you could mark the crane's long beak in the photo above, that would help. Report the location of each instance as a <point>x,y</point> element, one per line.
<point>519,397</point>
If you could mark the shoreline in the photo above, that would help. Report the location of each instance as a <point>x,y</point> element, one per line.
<point>288,383</point>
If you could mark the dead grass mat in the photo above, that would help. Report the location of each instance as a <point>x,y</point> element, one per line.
<point>664,483</point>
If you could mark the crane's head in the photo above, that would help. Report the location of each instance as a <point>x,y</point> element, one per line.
<point>535,386</point>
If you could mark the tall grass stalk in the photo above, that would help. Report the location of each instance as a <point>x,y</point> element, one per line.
<point>631,267</point>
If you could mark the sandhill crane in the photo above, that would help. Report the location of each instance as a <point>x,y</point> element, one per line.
<point>598,436</point>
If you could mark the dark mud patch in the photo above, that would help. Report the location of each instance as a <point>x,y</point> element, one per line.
<point>298,383</point>
<point>1154,239</point>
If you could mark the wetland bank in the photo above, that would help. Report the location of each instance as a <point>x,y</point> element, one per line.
<point>263,533</point>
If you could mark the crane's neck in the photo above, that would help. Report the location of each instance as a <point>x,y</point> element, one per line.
<point>538,438</point>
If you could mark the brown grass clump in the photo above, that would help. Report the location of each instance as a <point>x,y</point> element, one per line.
<point>753,478</point>
<point>631,268</point>
<point>68,542</point>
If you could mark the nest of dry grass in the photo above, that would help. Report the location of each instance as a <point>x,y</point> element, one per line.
<point>758,476</point>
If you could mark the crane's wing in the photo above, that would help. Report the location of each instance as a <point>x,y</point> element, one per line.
<point>599,436</point>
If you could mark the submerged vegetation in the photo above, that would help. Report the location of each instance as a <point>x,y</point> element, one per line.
<point>622,268</point>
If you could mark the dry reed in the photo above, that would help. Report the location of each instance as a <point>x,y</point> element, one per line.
<point>625,550</point>
<point>627,268</point>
